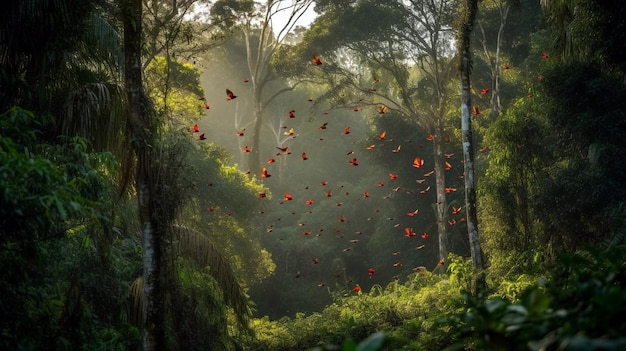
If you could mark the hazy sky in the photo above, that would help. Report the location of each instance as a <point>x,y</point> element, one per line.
<point>281,18</point>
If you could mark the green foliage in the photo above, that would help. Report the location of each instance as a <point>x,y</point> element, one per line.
<point>588,31</point>
<point>554,178</point>
<point>197,316</point>
<point>53,198</point>
<point>39,193</point>
<point>579,308</point>
<point>175,89</point>
<point>410,315</point>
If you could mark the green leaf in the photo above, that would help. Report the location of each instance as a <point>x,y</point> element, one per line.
<point>372,343</point>
<point>60,209</point>
<point>349,345</point>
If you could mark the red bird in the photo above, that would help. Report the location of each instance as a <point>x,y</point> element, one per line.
<point>230,95</point>
<point>418,162</point>
<point>240,132</point>
<point>285,150</point>
<point>316,60</point>
<point>292,114</point>
<point>304,156</point>
<point>346,130</point>
<point>382,109</point>
<point>265,173</point>
<point>323,126</point>
<point>246,149</point>
<point>196,129</point>
<point>484,91</point>
<point>354,162</point>
<point>287,197</point>
<point>408,232</point>
<point>371,272</point>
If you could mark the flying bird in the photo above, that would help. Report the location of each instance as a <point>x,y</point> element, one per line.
<point>418,162</point>
<point>265,173</point>
<point>230,95</point>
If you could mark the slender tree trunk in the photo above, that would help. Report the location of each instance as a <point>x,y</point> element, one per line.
<point>470,8</point>
<point>440,185</point>
<point>254,161</point>
<point>140,122</point>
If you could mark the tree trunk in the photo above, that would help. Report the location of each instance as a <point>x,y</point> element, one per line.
<point>254,160</point>
<point>470,8</point>
<point>440,188</point>
<point>140,122</point>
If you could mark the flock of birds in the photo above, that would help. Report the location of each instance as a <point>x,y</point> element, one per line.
<point>422,182</point>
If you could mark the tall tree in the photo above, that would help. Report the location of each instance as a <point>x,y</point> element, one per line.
<point>393,54</point>
<point>467,18</point>
<point>141,123</point>
<point>503,8</point>
<point>262,39</point>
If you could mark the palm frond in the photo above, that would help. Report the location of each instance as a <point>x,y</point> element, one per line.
<point>191,244</point>
<point>135,296</point>
<point>97,112</point>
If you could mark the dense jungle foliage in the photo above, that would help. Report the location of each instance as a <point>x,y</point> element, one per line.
<point>320,204</point>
